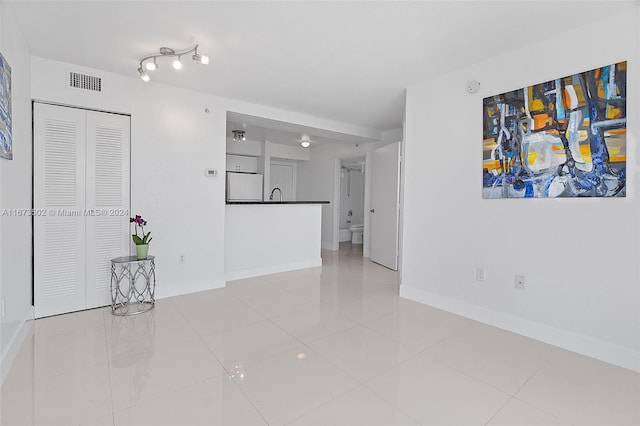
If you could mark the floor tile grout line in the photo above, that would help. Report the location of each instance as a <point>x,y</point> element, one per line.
<point>162,395</point>
<point>336,365</point>
<point>535,407</point>
<point>251,362</point>
<point>237,385</point>
<point>359,385</point>
<point>223,330</point>
<point>543,365</point>
<point>106,344</point>
<point>417,420</point>
<point>465,373</point>
<point>499,410</point>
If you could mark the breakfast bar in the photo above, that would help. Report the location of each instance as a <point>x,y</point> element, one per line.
<point>266,237</point>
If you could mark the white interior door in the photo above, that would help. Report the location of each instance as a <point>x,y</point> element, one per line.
<point>59,234</point>
<point>81,197</point>
<point>107,198</point>
<point>283,176</point>
<point>385,205</point>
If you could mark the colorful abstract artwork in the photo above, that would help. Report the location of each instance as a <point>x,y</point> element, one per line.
<point>6,145</point>
<point>561,138</point>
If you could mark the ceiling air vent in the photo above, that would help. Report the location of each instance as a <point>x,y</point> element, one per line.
<point>85,81</point>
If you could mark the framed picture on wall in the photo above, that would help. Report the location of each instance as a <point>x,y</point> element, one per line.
<point>561,138</point>
<point>6,143</point>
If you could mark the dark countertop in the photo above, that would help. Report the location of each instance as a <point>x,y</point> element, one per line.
<point>275,202</point>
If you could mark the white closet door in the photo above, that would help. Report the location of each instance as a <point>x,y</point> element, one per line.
<point>107,200</point>
<point>59,193</point>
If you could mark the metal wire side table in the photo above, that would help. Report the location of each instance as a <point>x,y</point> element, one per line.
<point>133,285</point>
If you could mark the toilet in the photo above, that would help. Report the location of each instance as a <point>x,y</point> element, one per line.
<point>356,233</point>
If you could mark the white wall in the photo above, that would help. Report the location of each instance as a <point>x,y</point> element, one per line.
<point>580,256</point>
<point>15,193</point>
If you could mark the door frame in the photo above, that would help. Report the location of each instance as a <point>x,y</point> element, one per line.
<point>335,244</point>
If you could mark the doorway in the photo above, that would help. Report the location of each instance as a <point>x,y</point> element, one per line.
<point>351,204</point>
<point>283,177</point>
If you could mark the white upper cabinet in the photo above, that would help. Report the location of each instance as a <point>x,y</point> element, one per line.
<point>242,163</point>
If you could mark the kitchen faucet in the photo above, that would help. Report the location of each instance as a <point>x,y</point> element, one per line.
<point>274,190</point>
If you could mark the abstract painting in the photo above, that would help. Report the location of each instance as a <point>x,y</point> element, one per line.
<point>561,138</point>
<point>6,145</point>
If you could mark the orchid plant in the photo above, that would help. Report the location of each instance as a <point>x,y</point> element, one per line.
<point>140,222</point>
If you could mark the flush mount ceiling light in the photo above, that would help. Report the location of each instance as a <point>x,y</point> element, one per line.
<point>305,141</point>
<point>151,63</point>
<point>238,135</point>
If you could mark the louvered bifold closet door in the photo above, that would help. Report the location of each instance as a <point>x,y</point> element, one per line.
<point>59,196</point>
<point>107,200</point>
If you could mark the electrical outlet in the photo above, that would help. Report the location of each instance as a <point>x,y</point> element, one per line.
<point>480,273</point>
<point>520,282</point>
<point>182,258</point>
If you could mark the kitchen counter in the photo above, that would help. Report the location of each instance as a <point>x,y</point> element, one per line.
<point>267,237</point>
<point>277,202</point>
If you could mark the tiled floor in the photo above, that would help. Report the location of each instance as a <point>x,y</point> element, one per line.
<point>322,346</point>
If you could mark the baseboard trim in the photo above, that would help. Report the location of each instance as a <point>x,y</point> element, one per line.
<point>584,345</point>
<point>328,245</point>
<point>193,287</point>
<point>285,267</point>
<point>14,345</point>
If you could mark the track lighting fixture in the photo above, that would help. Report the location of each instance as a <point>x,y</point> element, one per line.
<point>151,64</point>
<point>238,135</point>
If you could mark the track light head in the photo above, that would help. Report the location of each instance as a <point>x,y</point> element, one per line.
<point>201,59</point>
<point>143,75</point>
<point>177,64</point>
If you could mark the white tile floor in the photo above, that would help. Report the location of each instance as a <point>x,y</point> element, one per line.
<point>322,346</point>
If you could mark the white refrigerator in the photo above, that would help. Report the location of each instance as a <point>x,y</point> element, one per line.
<point>244,186</point>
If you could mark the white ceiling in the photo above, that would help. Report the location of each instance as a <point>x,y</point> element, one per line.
<point>348,61</point>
